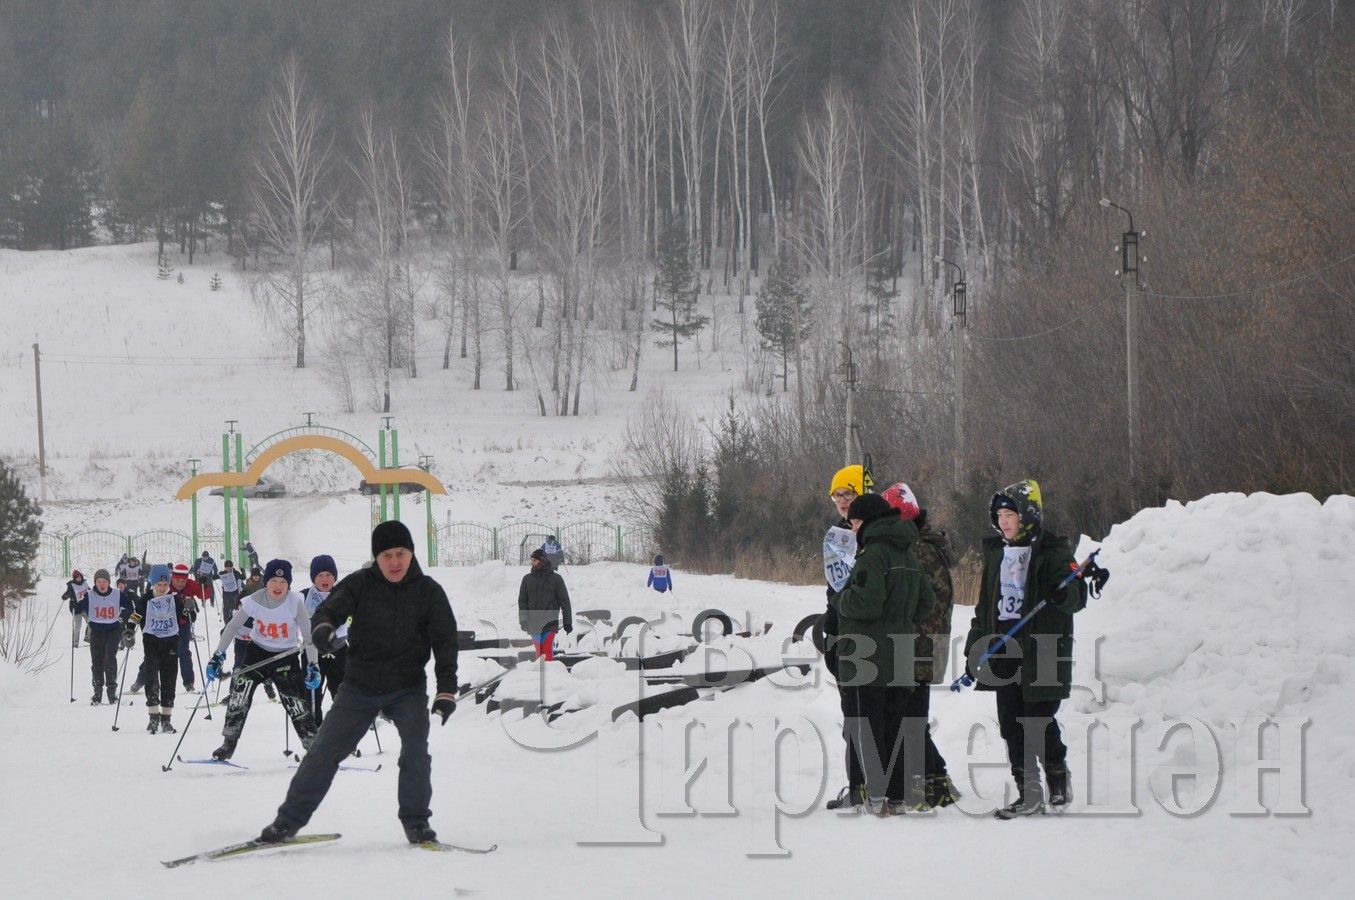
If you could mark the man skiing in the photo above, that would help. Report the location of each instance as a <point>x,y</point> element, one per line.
<point>543,605</point>
<point>399,616</point>
<point>1032,674</point>
<point>660,576</point>
<point>75,591</point>
<point>158,613</point>
<point>280,623</point>
<point>108,610</point>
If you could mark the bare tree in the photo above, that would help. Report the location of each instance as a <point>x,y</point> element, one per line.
<point>288,202</point>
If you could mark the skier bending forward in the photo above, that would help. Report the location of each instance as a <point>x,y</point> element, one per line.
<point>398,615</point>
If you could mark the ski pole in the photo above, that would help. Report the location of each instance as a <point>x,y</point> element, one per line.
<point>126,659</point>
<point>183,734</point>
<point>74,631</point>
<point>198,656</point>
<point>261,663</point>
<point>51,625</point>
<point>376,733</point>
<point>1088,565</point>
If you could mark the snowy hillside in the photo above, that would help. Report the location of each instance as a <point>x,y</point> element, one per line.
<point>1217,611</point>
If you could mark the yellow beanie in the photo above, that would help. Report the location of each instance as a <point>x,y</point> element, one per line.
<point>847,477</point>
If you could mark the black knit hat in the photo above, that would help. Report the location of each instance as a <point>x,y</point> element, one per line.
<point>391,534</point>
<point>869,507</point>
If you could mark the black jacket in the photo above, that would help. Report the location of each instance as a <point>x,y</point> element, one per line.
<point>543,601</point>
<point>394,629</point>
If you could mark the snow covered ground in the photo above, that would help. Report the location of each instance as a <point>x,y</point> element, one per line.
<point>1226,610</point>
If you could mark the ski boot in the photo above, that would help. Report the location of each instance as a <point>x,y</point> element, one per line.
<point>420,833</point>
<point>848,797</point>
<point>1029,799</point>
<point>137,686</point>
<point>189,687</point>
<point>268,689</point>
<point>914,801</point>
<point>167,727</point>
<point>1060,793</point>
<point>154,725</point>
<point>225,751</point>
<point>97,699</point>
<point>112,696</point>
<point>941,791</point>
<point>276,832</point>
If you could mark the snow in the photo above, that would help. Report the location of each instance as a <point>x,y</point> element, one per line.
<point>1219,613</point>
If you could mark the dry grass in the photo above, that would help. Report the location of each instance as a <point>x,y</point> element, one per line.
<point>965,576</point>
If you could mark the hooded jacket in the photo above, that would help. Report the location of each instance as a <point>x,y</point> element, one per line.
<point>394,630</point>
<point>543,601</point>
<point>880,609</point>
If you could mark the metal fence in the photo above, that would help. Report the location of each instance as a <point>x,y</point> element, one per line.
<point>89,551</point>
<point>470,543</point>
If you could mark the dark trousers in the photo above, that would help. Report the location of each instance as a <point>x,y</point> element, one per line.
<point>349,719</point>
<point>158,666</point>
<point>229,601</point>
<point>887,754</point>
<point>1029,730</point>
<point>103,657</point>
<point>186,654</point>
<point>286,675</point>
<point>331,676</point>
<point>918,716</point>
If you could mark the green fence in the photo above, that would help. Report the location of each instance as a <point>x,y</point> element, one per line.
<point>97,549</point>
<point>470,543</point>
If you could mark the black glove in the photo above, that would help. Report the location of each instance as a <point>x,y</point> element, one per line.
<point>72,605</point>
<point>322,636</point>
<point>128,637</point>
<point>444,706</point>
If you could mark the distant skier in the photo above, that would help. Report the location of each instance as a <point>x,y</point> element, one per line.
<point>232,583</point>
<point>75,591</point>
<point>108,611</point>
<point>253,556</point>
<point>1033,673</point>
<point>280,623</point>
<point>181,583</point>
<point>543,605</point>
<point>323,575</point>
<point>660,576</point>
<point>400,617</point>
<point>205,573</point>
<point>554,552</point>
<point>134,574</point>
<point>158,613</point>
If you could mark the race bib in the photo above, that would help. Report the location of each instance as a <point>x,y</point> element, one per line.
<point>104,610</point>
<point>161,618</point>
<point>839,555</point>
<point>274,629</point>
<point>1012,582</point>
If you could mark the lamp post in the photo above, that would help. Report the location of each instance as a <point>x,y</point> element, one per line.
<point>193,463</point>
<point>1129,266</point>
<point>959,296</point>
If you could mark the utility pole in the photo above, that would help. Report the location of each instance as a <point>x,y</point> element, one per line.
<point>194,464</point>
<point>42,446</point>
<point>849,368</point>
<point>958,293</point>
<point>1129,277</point>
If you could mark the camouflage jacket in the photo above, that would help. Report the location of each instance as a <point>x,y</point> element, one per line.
<point>933,642</point>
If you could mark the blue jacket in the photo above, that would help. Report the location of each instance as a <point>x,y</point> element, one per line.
<point>661,579</point>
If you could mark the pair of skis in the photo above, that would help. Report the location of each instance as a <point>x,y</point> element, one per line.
<point>232,851</point>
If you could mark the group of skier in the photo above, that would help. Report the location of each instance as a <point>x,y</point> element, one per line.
<point>887,635</point>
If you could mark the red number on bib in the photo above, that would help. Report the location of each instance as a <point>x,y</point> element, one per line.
<point>105,612</point>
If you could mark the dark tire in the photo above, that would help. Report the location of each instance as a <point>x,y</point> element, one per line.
<point>698,624</point>
<point>813,626</point>
<point>596,615</point>
<point>626,623</point>
<point>648,705</point>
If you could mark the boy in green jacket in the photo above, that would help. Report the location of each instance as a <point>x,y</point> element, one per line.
<point>1033,672</point>
<point>878,611</point>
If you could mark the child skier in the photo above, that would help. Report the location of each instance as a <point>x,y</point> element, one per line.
<point>108,611</point>
<point>280,623</point>
<point>158,615</point>
<point>323,575</point>
<point>75,591</point>
<point>204,572</point>
<point>232,583</point>
<point>1033,672</point>
<point>190,590</point>
<point>660,576</point>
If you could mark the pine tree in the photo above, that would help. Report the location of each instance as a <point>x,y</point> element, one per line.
<point>165,268</point>
<point>781,307</point>
<point>675,290</point>
<point>215,283</point>
<point>180,278</point>
<point>879,309</point>
<point>19,531</point>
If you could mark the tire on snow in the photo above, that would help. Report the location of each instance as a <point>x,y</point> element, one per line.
<point>813,626</point>
<point>705,616</point>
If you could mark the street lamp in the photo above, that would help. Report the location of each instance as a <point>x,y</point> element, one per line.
<point>1129,265</point>
<point>958,295</point>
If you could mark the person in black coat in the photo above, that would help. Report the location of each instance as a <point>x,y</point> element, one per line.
<point>543,605</point>
<point>399,616</point>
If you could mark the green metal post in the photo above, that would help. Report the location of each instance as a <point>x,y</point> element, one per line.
<point>226,496</point>
<point>494,543</point>
<point>618,543</point>
<point>381,459</point>
<point>242,524</point>
<point>395,464</point>
<point>65,553</point>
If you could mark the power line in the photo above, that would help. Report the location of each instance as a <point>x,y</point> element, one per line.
<point>1038,334</point>
<point>154,363</point>
<point>1256,290</point>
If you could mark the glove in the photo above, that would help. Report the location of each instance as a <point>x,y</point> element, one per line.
<point>312,681</point>
<point>72,605</point>
<point>134,619</point>
<point>214,666</point>
<point>444,706</point>
<point>128,637</point>
<point>322,636</point>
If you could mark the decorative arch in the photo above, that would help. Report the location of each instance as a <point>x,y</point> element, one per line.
<point>272,453</point>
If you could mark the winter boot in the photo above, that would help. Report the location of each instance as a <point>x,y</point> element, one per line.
<point>1029,798</point>
<point>137,686</point>
<point>112,696</point>
<point>420,833</point>
<point>1060,793</point>
<point>190,687</point>
<point>225,751</point>
<point>848,797</point>
<point>941,791</point>
<point>154,725</point>
<point>277,832</point>
<point>268,689</point>
<point>167,727</point>
<point>96,699</point>
<point>914,801</point>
